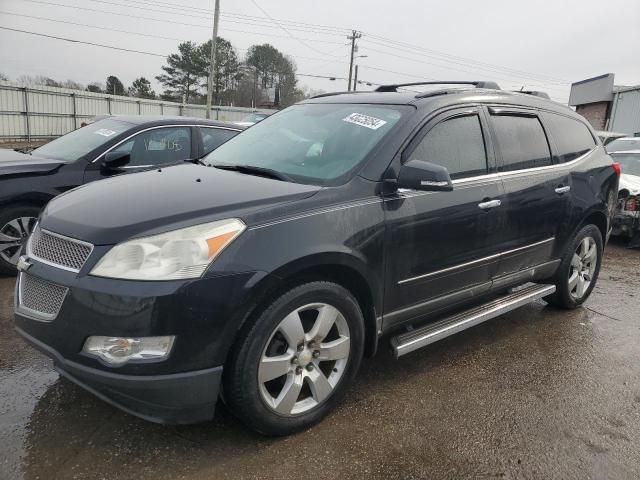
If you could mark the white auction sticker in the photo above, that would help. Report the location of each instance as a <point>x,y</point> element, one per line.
<point>364,121</point>
<point>105,132</point>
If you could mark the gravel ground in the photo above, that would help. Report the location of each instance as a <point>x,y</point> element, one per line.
<point>537,393</point>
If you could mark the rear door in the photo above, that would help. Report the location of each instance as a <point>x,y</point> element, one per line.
<point>536,193</point>
<point>441,246</point>
<point>213,137</point>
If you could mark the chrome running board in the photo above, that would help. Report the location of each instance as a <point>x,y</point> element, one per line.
<point>423,336</point>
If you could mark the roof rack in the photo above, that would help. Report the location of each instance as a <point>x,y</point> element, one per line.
<point>476,84</point>
<point>331,94</point>
<point>535,93</point>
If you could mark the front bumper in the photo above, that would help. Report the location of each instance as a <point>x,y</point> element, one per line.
<point>625,224</point>
<point>173,399</point>
<point>204,316</point>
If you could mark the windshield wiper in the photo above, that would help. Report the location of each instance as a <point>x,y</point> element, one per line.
<point>253,170</point>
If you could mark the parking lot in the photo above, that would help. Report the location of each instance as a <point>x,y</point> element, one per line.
<point>537,393</point>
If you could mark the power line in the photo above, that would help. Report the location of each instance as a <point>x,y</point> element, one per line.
<point>449,67</point>
<point>173,22</point>
<point>287,31</point>
<point>138,33</point>
<point>449,57</point>
<point>83,42</point>
<point>181,8</point>
<point>94,26</point>
<point>249,22</point>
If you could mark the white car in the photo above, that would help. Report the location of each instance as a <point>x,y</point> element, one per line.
<point>624,144</point>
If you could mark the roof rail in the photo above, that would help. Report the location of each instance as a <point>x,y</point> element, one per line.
<point>477,84</point>
<point>535,93</point>
<point>331,94</point>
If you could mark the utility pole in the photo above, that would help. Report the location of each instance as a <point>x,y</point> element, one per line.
<point>353,37</point>
<point>212,64</point>
<point>355,79</point>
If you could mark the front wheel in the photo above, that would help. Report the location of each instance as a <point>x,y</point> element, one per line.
<point>579,268</point>
<point>16,224</point>
<point>297,359</point>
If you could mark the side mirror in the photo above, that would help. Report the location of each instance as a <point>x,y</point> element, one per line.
<point>421,175</point>
<point>115,160</point>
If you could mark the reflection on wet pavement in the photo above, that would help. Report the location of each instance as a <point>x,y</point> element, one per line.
<point>536,393</point>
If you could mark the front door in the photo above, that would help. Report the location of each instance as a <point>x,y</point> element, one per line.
<point>151,148</point>
<point>442,246</point>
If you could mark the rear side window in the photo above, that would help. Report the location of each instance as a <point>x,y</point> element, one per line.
<point>571,137</point>
<point>457,144</point>
<point>522,142</point>
<point>212,138</point>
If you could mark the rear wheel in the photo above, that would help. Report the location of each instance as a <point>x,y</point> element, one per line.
<point>16,224</point>
<point>579,269</point>
<point>297,359</point>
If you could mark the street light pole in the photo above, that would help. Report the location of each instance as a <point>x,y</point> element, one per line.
<point>212,64</point>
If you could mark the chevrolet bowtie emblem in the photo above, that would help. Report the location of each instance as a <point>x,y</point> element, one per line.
<point>23,264</point>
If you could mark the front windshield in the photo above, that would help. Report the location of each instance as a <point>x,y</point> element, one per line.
<point>624,145</point>
<point>76,144</point>
<point>310,143</point>
<point>629,162</point>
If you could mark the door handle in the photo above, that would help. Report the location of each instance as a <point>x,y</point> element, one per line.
<point>489,204</point>
<point>562,189</point>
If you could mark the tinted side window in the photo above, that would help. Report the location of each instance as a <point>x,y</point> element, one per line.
<point>158,146</point>
<point>571,137</point>
<point>457,144</point>
<point>212,138</point>
<point>522,142</point>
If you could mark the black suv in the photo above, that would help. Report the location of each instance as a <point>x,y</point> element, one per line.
<point>266,273</point>
<point>111,146</point>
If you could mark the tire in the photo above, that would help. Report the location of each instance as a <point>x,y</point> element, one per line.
<point>16,223</point>
<point>577,267</point>
<point>256,388</point>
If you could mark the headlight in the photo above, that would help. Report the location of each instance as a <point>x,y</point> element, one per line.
<point>184,253</point>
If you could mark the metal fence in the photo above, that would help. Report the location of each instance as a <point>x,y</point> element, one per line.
<point>39,113</point>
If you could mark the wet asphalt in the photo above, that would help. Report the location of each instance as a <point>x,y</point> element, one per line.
<point>538,393</point>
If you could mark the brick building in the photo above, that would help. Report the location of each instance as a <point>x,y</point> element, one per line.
<point>607,106</point>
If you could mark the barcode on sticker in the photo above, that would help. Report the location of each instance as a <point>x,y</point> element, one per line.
<point>365,121</point>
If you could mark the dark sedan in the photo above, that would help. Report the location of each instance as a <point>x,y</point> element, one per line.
<point>111,146</point>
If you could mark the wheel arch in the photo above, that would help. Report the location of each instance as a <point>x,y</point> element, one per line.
<point>343,269</point>
<point>600,220</point>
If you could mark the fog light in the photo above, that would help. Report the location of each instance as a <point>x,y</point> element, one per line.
<point>119,350</point>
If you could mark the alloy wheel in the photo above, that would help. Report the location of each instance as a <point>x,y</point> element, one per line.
<point>304,359</point>
<point>13,236</point>
<point>583,267</point>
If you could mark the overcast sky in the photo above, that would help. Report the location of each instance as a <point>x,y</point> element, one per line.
<point>538,45</point>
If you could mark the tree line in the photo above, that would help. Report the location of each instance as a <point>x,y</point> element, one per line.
<point>265,77</point>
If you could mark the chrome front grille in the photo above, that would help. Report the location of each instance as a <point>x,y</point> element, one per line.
<point>39,298</point>
<point>58,250</point>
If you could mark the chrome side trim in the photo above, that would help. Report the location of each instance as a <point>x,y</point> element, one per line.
<point>524,170</point>
<point>421,337</point>
<point>155,128</point>
<point>319,212</point>
<point>30,253</point>
<point>474,262</point>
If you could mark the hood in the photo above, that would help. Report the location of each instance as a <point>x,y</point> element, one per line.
<point>631,183</point>
<point>110,211</point>
<point>13,163</point>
